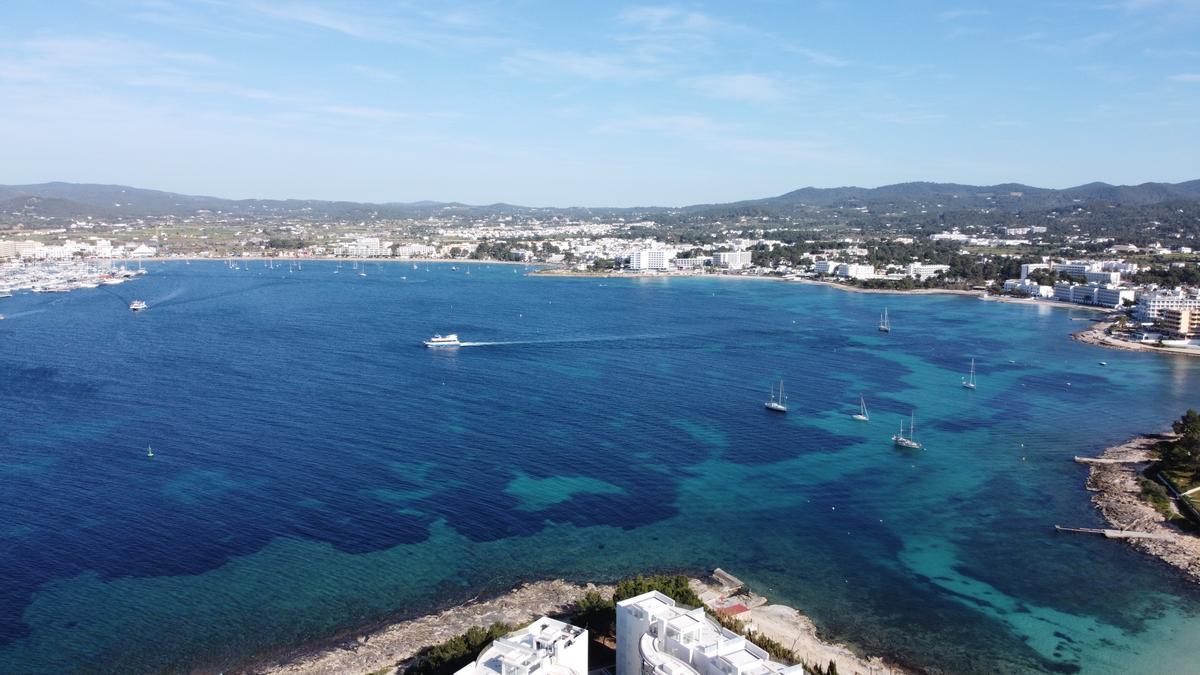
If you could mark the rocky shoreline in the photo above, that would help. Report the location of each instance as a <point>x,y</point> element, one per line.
<point>1118,498</point>
<point>383,647</point>
<point>388,647</point>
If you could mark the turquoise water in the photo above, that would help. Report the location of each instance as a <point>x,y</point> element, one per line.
<point>316,468</point>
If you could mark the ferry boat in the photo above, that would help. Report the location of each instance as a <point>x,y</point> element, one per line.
<point>778,404</point>
<point>137,305</point>
<point>450,340</point>
<point>909,442</point>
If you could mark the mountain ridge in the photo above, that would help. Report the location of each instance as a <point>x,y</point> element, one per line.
<point>65,199</point>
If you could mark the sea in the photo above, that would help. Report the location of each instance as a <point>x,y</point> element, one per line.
<point>315,468</point>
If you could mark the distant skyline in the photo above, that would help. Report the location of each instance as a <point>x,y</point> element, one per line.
<point>595,104</point>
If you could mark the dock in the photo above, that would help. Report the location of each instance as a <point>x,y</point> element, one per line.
<point>1115,534</point>
<point>1098,460</point>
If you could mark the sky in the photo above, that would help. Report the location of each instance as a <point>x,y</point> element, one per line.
<point>557,103</point>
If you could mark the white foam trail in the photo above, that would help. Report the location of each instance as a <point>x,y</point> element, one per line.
<point>27,312</point>
<point>564,340</point>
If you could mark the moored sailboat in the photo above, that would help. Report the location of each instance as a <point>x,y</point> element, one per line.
<point>862,415</point>
<point>909,442</point>
<point>778,404</point>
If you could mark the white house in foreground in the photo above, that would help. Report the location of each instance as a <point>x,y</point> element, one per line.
<point>654,637</point>
<point>546,647</point>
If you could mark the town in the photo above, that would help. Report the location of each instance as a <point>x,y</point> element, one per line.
<point>1151,287</point>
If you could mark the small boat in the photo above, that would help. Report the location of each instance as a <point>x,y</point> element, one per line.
<point>885,324</point>
<point>1,317</point>
<point>149,451</point>
<point>778,404</point>
<point>454,268</point>
<point>450,340</point>
<point>909,442</point>
<point>138,305</point>
<point>969,381</point>
<point>1104,363</point>
<point>862,415</point>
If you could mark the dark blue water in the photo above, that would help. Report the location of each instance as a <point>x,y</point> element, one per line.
<point>317,468</point>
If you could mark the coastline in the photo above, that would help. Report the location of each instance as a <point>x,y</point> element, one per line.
<point>386,647</point>
<point>1095,335</point>
<point>382,646</point>
<point>1118,498</point>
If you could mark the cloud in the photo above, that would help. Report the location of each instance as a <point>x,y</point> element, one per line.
<point>668,19</point>
<point>689,125</point>
<point>962,13</point>
<point>540,64</point>
<point>1185,77</point>
<point>744,87</point>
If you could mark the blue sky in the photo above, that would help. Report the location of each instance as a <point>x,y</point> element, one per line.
<point>595,103</point>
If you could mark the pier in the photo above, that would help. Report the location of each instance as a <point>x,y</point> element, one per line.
<point>1099,460</point>
<point>1115,534</point>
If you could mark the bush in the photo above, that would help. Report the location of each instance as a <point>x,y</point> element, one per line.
<point>595,613</point>
<point>673,586</point>
<point>448,657</point>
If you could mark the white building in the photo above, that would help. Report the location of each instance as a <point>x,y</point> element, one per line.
<point>922,271</point>
<point>1099,277</point>
<point>415,251</point>
<point>856,271</point>
<point>733,260</point>
<point>697,263</point>
<point>1151,304</point>
<point>654,637</point>
<point>825,266</point>
<point>1029,287</point>
<point>143,251</point>
<point>1029,268</point>
<point>650,259</point>
<point>1102,295</point>
<point>546,646</point>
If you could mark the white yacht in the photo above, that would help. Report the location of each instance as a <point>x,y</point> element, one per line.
<point>885,324</point>
<point>778,404</point>
<point>862,415</point>
<point>910,442</point>
<point>450,340</point>
<point>137,305</point>
<point>969,381</point>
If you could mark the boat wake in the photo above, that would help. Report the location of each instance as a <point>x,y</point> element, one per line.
<point>554,341</point>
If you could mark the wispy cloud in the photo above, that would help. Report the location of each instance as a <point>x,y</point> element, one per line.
<point>744,87</point>
<point>961,13</point>
<point>1185,77</point>
<point>668,19</point>
<point>539,65</point>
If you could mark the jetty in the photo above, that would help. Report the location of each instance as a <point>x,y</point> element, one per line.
<point>1115,534</point>
<point>1109,460</point>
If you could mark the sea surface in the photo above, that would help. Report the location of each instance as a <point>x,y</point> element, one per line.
<point>316,468</point>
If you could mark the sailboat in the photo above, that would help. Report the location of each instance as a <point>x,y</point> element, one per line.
<point>149,451</point>
<point>969,381</point>
<point>777,404</point>
<point>362,270</point>
<point>910,442</point>
<point>862,415</point>
<point>885,325</point>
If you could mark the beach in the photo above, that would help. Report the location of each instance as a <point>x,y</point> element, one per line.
<point>1118,498</point>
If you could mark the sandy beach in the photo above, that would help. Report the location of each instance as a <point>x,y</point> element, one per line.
<point>1118,498</point>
